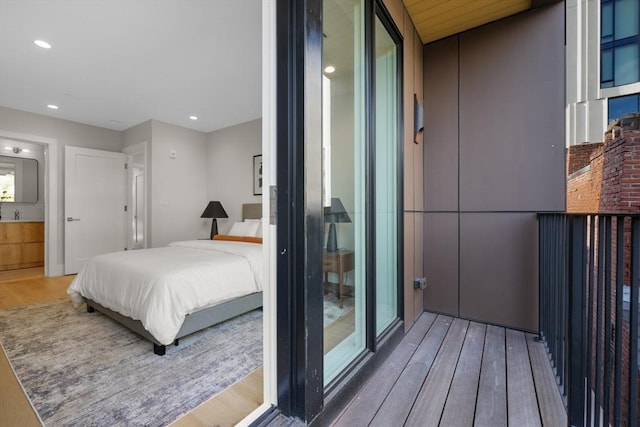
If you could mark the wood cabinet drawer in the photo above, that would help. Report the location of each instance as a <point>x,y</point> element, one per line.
<point>330,263</point>
<point>10,254</point>
<point>10,232</point>
<point>21,245</point>
<point>32,253</point>
<point>32,232</point>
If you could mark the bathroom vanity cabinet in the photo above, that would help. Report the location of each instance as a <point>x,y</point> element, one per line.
<point>21,244</point>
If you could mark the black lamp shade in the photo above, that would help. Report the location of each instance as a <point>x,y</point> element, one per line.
<point>332,214</point>
<point>214,210</point>
<point>336,212</point>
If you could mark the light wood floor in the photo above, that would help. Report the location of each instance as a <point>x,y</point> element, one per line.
<point>22,287</point>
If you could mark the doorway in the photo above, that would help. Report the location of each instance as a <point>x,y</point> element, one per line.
<point>136,214</point>
<point>53,266</point>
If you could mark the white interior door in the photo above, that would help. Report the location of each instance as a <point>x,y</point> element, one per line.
<point>137,209</point>
<point>94,205</point>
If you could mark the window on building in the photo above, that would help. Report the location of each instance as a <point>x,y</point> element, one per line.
<point>623,105</point>
<point>620,42</point>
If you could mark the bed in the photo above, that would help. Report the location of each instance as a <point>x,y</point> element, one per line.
<point>164,294</point>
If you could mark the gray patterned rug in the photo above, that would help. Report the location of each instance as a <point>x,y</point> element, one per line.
<point>331,308</point>
<point>87,370</point>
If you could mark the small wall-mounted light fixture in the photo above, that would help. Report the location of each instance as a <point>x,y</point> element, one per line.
<point>418,120</point>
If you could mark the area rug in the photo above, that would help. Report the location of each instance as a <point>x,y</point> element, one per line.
<point>331,309</point>
<point>84,369</point>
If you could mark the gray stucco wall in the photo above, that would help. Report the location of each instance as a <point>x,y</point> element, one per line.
<point>494,157</point>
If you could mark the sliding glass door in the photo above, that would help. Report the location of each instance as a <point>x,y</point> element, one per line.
<point>360,145</point>
<point>339,206</point>
<point>387,142</point>
<point>344,185</point>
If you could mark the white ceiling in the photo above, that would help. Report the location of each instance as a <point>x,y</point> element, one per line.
<point>133,60</point>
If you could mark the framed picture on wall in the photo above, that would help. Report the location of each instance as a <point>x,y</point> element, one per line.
<point>257,175</point>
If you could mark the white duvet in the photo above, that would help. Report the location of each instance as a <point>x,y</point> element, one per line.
<point>161,286</point>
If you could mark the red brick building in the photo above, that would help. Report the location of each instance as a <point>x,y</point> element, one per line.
<point>604,177</point>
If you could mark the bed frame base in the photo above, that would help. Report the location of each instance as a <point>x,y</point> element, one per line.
<point>160,350</point>
<point>194,322</point>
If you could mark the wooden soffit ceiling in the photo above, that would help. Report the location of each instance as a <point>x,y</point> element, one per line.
<point>436,19</point>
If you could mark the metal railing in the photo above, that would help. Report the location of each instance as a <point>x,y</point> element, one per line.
<point>589,277</point>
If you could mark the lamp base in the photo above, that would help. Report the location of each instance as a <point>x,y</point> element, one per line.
<point>214,228</point>
<point>332,239</point>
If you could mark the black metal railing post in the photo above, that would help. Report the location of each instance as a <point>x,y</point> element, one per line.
<point>576,387</point>
<point>589,313</point>
<point>607,318</point>
<point>617,388</point>
<point>633,322</point>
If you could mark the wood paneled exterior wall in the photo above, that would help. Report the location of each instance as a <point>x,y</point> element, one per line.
<point>494,157</point>
<point>413,162</point>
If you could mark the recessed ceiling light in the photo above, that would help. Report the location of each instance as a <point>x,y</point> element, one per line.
<point>193,117</point>
<point>329,69</point>
<point>43,44</point>
<point>53,107</point>
<point>115,122</point>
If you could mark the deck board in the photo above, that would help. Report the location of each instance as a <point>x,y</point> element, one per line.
<point>398,403</point>
<point>433,395</point>
<point>461,402</point>
<point>549,398</point>
<point>364,407</point>
<point>471,374</point>
<point>491,406</point>
<point>522,404</point>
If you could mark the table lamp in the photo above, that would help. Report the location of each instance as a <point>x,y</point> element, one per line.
<point>332,214</point>
<point>214,210</point>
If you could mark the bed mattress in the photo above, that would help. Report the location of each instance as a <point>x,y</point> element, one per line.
<point>161,286</point>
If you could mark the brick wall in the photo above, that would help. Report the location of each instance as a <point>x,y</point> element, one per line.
<point>580,156</point>
<point>610,180</point>
<point>605,178</point>
<point>584,186</point>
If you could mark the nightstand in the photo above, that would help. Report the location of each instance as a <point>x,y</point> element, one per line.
<point>340,262</point>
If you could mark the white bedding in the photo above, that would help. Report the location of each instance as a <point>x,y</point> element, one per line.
<point>160,286</point>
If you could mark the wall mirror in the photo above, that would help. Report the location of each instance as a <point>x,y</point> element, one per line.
<point>18,180</point>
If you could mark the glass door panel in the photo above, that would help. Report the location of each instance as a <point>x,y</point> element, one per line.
<point>386,176</point>
<point>343,184</point>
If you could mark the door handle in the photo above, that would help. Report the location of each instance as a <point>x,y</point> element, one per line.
<point>69,219</point>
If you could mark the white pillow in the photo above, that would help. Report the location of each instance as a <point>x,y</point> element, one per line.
<point>244,229</point>
<point>259,221</point>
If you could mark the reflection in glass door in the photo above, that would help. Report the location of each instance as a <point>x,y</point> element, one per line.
<point>386,176</point>
<point>344,255</point>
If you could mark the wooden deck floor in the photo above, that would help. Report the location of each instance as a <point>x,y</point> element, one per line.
<point>452,372</point>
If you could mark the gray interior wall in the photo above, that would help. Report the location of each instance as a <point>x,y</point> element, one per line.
<point>230,154</point>
<point>494,157</point>
<point>178,183</point>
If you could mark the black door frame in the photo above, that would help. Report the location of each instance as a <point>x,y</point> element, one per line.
<point>300,221</point>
